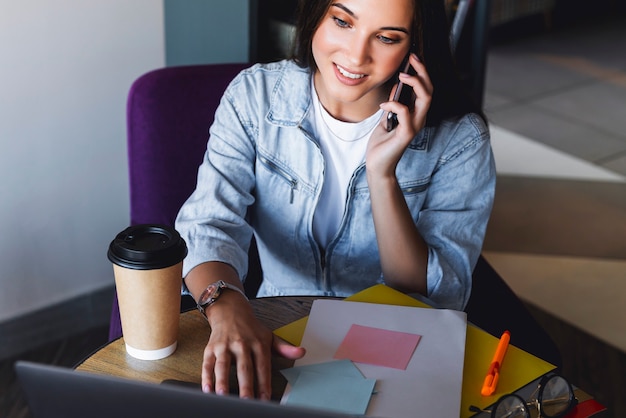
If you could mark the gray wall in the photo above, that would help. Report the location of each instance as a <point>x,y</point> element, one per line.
<point>205,31</point>
<point>66,69</point>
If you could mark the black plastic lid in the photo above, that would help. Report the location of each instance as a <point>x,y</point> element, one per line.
<point>147,247</point>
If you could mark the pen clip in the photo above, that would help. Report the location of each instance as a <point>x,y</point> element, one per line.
<point>491,380</point>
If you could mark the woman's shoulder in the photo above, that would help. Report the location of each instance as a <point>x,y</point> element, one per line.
<point>270,73</point>
<point>279,89</point>
<point>469,124</point>
<point>454,135</point>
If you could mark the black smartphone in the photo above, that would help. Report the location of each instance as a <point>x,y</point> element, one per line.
<point>403,94</point>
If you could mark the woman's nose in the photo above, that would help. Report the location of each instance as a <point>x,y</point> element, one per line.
<point>358,50</point>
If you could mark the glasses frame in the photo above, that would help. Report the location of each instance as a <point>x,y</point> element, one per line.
<point>534,401</point>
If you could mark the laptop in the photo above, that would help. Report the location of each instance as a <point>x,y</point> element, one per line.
<point>58,392</point>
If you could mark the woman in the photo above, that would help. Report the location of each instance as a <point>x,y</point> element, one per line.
<point>300,156</point>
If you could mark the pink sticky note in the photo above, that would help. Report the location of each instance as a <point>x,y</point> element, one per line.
<point>378,346</point>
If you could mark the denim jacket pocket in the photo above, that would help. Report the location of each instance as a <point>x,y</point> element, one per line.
<point>290,179</point>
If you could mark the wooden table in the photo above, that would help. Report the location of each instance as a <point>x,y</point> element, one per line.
<point>186,362</point>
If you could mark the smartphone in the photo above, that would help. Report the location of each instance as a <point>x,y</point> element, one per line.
<point>403,94</point>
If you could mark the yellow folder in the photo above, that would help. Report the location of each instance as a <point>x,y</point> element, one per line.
<point>518,368</point>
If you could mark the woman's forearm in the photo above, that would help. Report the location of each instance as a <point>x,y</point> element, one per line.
<point>403,251</point>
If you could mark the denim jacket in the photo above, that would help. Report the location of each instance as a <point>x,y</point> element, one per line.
<point>262,174</point>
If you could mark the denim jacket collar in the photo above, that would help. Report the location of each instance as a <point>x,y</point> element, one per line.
<point>290,101</point>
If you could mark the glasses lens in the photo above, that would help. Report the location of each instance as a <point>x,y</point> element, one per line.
<point>556,397</point>
<point>511,406</point>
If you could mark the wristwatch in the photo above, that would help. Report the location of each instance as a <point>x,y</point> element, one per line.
<point>212,293</point>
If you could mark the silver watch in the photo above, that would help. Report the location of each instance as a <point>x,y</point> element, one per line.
<point>213,292</point>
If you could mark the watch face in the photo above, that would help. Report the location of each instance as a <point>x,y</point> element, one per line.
<point>210,293</point>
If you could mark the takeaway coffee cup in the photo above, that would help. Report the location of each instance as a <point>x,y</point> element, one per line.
<point>147,264</point>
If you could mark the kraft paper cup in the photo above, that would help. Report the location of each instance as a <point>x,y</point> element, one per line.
<point>147,264</point>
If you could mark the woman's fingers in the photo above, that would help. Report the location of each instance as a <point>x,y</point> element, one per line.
<point>208,365</point>
<point>245,370</point>
<point>263,370</point>
<point>421,74</point>
<point>422,88</point>
<point>221,372</point>
<point>287,350</point>
<point>250,353</point>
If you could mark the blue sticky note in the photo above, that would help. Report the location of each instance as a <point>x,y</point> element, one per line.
<point>344,394</point>
<point>337,368</point>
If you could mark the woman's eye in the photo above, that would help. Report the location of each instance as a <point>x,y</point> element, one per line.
<point>340,22</point>
<point>387,40</point>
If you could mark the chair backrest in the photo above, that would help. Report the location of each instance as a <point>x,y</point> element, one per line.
<point>169,112</point>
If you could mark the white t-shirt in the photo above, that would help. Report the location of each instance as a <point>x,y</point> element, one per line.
<point>343,145</point>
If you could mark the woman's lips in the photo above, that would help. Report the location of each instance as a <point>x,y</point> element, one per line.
<point>348,77</point>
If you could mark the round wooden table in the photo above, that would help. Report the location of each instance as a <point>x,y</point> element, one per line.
<point>186,362</point>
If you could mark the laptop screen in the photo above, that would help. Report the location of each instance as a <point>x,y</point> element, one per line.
<point>57,392</point>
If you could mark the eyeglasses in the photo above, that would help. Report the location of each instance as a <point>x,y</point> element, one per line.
<point>553,398</point>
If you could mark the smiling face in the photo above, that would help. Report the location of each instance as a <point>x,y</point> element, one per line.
<point>358,46</point>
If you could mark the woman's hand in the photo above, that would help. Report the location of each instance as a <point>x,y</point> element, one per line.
<point>238,337</point>
<point>385,148</point>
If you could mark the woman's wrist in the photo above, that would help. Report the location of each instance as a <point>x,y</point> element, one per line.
<point>204,275</point>
<point>213,293</point>
<point>231,305</point>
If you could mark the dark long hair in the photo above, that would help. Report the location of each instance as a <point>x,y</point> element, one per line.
<point>431,40</point>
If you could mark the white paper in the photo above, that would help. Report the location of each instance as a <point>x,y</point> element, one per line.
<point>432,382</point>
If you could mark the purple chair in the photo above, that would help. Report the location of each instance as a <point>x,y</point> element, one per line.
<point>169,112</point>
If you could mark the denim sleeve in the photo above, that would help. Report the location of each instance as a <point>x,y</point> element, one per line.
<point>455,215</point>
<point>213,219</point>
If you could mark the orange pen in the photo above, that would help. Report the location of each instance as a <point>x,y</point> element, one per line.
<point>491,380</point>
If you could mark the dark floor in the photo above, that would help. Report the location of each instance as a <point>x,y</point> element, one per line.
<point>67,352</point>
<point>589,363</point>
